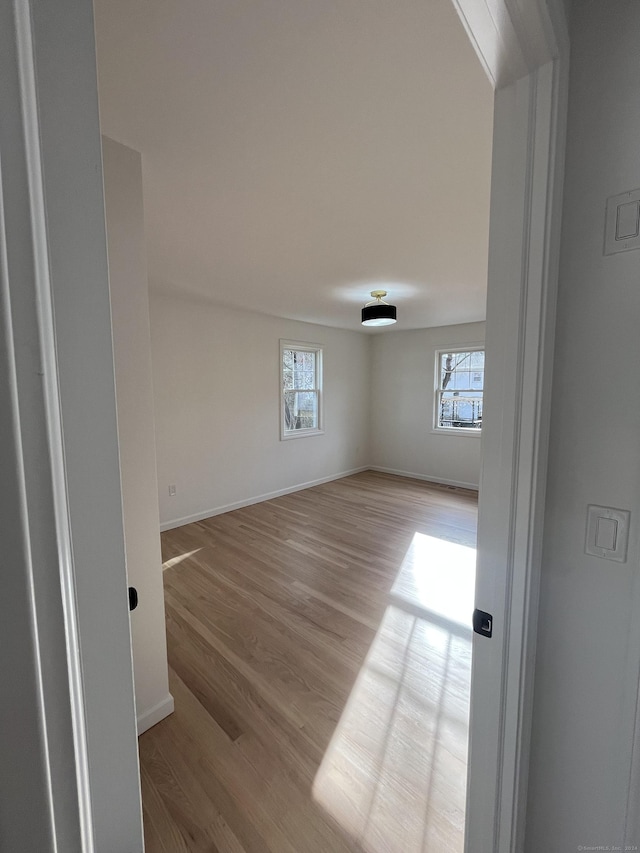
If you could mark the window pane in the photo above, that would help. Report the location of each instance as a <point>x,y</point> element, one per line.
<point>463,371</point>
<point>303,379</point>
<point>460,411</point>
<point>445,367</point>
<point>301,410</point>
<point>306,360</point>
<point>298,369</point>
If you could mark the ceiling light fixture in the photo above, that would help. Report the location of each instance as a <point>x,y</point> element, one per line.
<point>378,312</point>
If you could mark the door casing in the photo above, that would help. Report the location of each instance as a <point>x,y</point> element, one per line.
<point>524,48</point>
<point>61,448</point>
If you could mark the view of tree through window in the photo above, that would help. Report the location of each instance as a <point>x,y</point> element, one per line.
<point>301,372</point>
<point>460,390</point>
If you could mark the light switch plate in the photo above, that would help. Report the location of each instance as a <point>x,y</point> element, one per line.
<point>607,533</point>
<point>622,224</point>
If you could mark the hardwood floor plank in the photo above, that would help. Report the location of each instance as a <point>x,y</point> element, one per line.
<point>258,708</point>
<point>323,631</point>
<point>315,711</point>
<point>195,671</point>
<point>252,804</point>
<point>169,806</point>
<point>161,834</point>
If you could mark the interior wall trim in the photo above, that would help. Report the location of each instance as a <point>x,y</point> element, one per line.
<point>440,481</point>
<point>153,715</point>
<point>219,510</point>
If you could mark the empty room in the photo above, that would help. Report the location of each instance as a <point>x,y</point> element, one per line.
<point>269,172</point>
<point>239,520</point>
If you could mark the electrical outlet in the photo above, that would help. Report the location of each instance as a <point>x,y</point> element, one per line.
<point>172,490</point>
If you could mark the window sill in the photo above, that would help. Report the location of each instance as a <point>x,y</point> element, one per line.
<point>300,433</point>
<point>470,433</point>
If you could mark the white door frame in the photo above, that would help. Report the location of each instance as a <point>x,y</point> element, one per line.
<point>70,777</point>
<point>523,46</point>
<point>63,515</point>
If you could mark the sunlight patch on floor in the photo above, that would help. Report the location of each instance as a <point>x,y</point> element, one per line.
<point>168,564</point>
<point>437,577</point>
<point>394,775</point>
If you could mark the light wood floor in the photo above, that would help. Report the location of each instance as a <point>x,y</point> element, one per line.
<point>319,650</point>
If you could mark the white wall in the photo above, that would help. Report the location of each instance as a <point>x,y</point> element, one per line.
<point>132,356</point>
<point>216,387</point>
<point>402,401</point>
<point>588,649</point>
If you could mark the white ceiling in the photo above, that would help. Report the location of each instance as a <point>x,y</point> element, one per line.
<point>299,153</point>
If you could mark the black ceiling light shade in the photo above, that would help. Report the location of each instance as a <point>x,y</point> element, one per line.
<point>378,312</point>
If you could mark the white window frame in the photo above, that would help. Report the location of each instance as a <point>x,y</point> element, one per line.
<point>317,349</point>
<point>440,430</point>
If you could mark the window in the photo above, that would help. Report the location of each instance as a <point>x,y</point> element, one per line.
<point>301,389</point>
<point>459,390</point>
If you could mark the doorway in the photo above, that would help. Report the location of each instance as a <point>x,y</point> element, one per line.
<point>530,342</point>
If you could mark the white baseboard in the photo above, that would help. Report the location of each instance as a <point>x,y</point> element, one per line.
<point>178,522</point>
<point>428,477</point>
<point>154,715</point>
